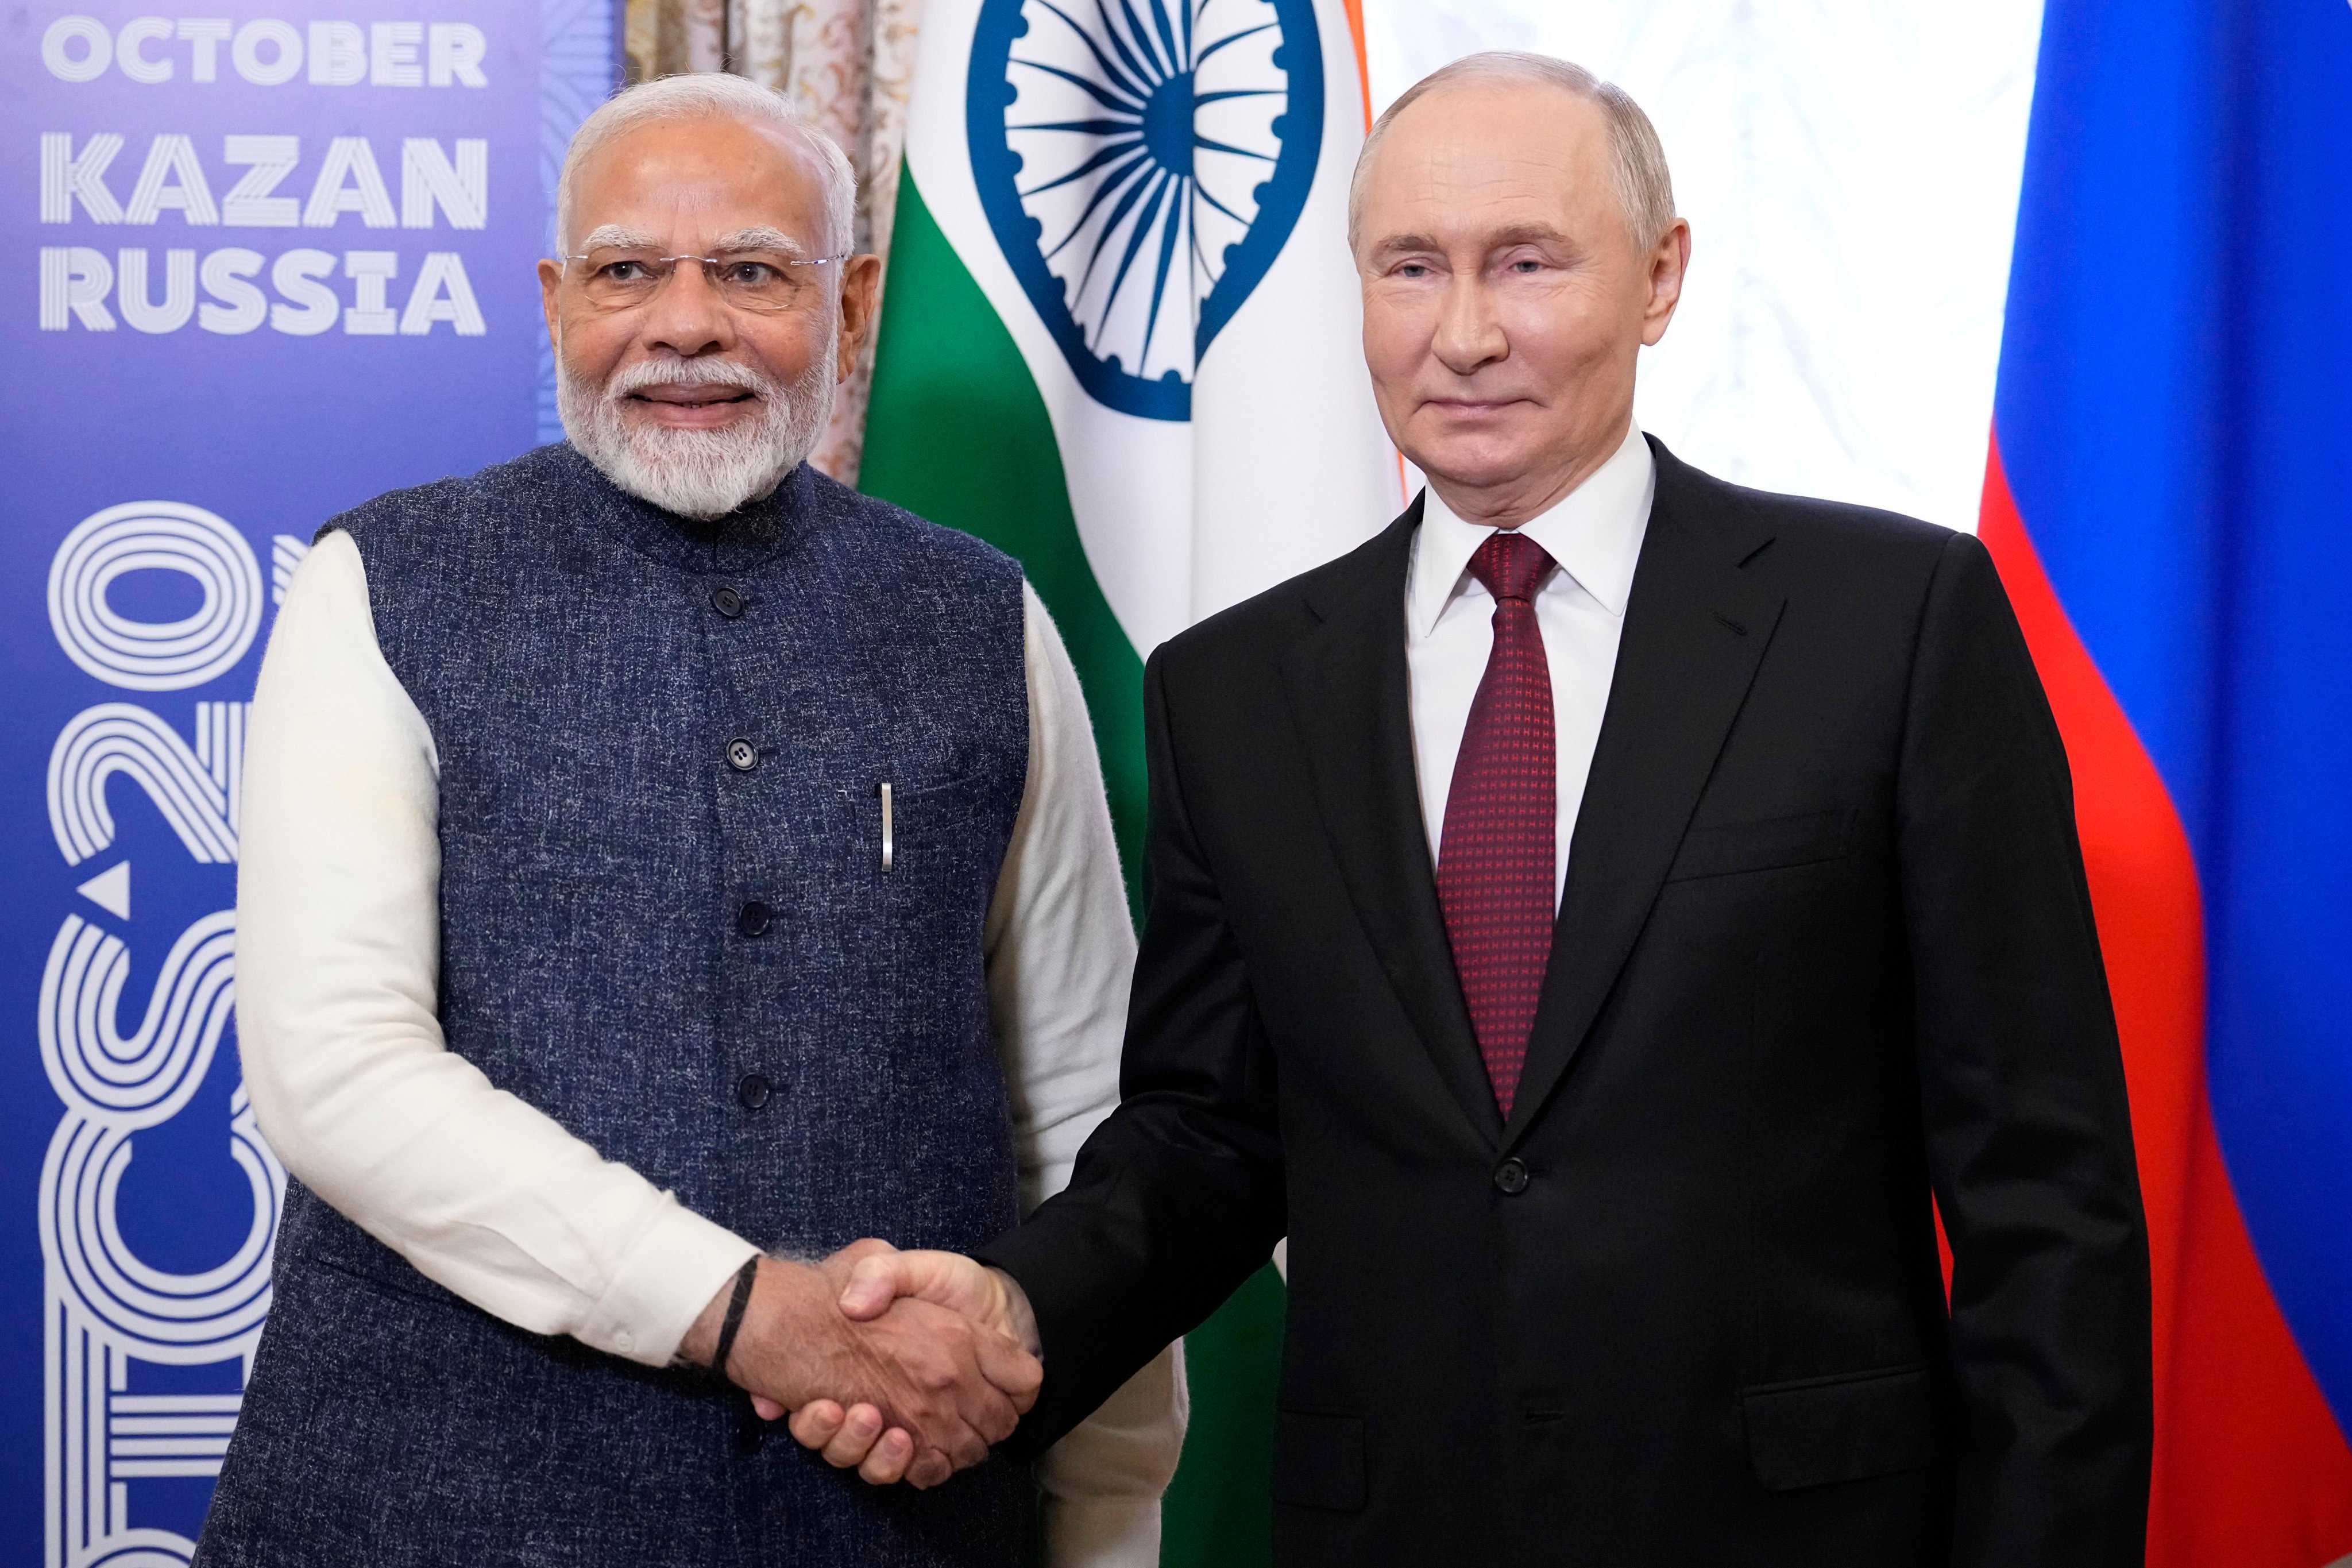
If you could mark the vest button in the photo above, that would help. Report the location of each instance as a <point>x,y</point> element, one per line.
<point>728,603</point>
<point>1511,1178</point>
<point>753,1092</point>
<point>751,919</point>
<point>743,756</point>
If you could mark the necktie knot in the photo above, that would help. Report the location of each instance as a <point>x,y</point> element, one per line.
<point>1510,564</point>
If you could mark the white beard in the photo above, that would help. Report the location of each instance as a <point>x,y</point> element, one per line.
<point>700,474</point>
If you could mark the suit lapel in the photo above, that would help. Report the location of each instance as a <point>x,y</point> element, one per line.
<point>1349,695</point>
<point>1695,630</point>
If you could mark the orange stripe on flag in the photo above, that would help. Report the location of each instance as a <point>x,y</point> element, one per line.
<point>1364,83</point>
<point>1364,72</point>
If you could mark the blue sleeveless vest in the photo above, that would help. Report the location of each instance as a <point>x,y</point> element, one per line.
<point>666,921</point>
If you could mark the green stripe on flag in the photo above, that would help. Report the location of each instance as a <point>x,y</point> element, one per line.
<point>956,432</point>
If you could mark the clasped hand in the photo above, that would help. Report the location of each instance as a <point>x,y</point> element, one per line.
<point>907,1365</point>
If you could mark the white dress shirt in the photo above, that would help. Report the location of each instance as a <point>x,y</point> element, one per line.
<point>1594,534</point>
<point>337,950</point>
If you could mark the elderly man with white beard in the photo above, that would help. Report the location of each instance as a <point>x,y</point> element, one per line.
<point>663,865</point>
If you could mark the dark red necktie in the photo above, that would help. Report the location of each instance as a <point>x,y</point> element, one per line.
<point>1498,855</point>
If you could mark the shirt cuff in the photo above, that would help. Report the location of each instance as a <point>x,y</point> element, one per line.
<point>1102,1532</point>
<point>662,1284</point>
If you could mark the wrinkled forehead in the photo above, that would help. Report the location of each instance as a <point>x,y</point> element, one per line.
<point>1485,155</point>
<point>689,181</point>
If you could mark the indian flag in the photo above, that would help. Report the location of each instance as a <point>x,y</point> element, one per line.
<point>1121,343</point>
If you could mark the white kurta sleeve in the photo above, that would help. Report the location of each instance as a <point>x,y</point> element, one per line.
<point>338,959</point>
<point>1061,951</point>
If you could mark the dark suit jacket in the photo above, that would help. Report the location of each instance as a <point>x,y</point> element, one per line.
<point>1825,947</point>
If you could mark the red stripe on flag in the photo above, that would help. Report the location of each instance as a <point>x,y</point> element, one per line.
<point>2252,1470</point>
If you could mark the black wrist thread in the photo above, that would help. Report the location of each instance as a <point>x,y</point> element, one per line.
<point>733,1322</point>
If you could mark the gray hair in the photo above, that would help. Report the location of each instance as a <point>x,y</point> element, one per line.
<point>712,95</point>
<point>1646,191</point>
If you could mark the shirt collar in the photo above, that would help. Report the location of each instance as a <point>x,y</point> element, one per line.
<point>1594,532</point>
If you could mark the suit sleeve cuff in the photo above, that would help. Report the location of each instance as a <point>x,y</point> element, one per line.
<point>1080,1371</point>
<point>662,1284</point>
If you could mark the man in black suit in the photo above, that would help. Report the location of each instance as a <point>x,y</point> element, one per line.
<point>1591,919</point>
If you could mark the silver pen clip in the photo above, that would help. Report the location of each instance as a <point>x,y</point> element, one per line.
<point>885,825</point>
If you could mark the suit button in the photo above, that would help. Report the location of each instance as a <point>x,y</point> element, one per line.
<point>1511,1178</point>
<point>728,603</point>
<point>753,1092</point>
<point>751,919</point>
<point>743,756</point>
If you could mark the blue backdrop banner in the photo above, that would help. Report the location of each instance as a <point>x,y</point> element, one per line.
<point>278,258</point>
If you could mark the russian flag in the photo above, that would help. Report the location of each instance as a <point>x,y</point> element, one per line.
<point>2170,498</point>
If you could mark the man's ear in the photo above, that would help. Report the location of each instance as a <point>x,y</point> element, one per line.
<point>551,277</point>
<point>861,293</point>
<point>1669,264</point>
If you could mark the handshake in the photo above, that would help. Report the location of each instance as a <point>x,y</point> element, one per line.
<point>905,1364</point>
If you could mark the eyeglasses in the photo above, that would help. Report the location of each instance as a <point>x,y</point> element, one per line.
<point>748,281</point>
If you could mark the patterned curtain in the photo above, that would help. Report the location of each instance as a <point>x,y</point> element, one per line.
<point>847,66</point>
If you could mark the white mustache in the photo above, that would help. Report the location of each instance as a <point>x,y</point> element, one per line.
<point>635,378</point>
